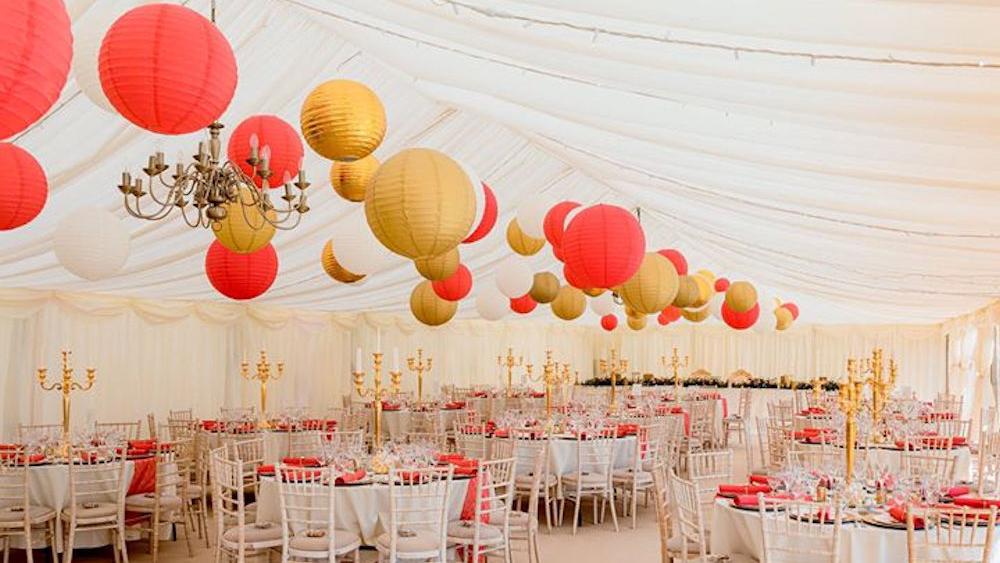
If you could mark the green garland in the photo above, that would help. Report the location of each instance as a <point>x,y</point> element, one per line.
<point>754,383</point>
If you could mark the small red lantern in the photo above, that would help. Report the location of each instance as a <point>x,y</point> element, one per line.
<point>36,47</point>
<point>454,287</point>
<point>792,308</point>
<point>23,187</point>
<point>555,222</point>
<point>603,245</point>
<point>278,136</point>
<point>489,217</point>
<point>609,322</point>
<point>167,69</point>
<point>523,304</point>
<point>241,276</point>
<point>721,285</point>
<point>669,315</point>
<point>677,259</point>
<point>740,321</point>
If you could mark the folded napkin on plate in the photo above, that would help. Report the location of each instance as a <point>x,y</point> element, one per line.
<point>301,461</point>
<point>450,457</point>
<point>142,444</point>
<point>33,458</point>
<point>454,405</point>
<point>898,513</point>
<point>390,406</point>
<point>974,502</point>
<point>812,410</point>
<point>743,489</point>
<point>759,480</point>
<point>958,491</point>
<point>347,478</point>
<point>748,501</point>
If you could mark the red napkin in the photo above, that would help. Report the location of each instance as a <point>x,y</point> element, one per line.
<point>898,513</point>
<point>743,489</point>
<point>973,502</point>
<point>390,406</point>
<point>806,433</point>
<point>501,433</point>
<point>142,444</point>
<point>210,425</point>
<point>448,458</point>
<point>265,470</point>
<point>351,477</point>
<point>627,430</point>
<point>958,491</point>
<point>135,452</point>
<point>465,470</point>
<point>33,458</point>
<point>454,405</point>
<point>301,461</point>
<point>750,501</point>
<point>903,445</point>
<point>759,480</point>
<point>9,447</point>
<point>537,394</point>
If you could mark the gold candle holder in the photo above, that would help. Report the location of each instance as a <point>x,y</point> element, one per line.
<point>510,362</point>
<point>675,364</point>
<point>549,377</point>
<point>66,386</point>
<point>881,385</point>
<point>375,393</point>
<point>421,367</point>
<point>850,403</point>
<point>263,376</point>
<point>613,368</point>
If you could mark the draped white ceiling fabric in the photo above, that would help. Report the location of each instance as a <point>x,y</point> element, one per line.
<point>839,155</point>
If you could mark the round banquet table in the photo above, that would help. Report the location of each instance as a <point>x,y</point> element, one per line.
<point>396,424</point>
<point>562,457</point>
<point>737,531</point>
<point>363,509</point>
<point>276,442</point>
<point>892,458</point>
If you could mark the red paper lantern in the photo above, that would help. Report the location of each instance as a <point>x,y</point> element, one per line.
<point>609,322</point>
<point>489,217</point>
<point>241,276</point>
<point>454,287</point>
<point>721,285</point>
<point>555,222</point>
<point>793,309</point>
<point>740,321</point>
<point>523,304</point>
<point>166,68</point>
<point>36,47</point>
<point>670,314</point>
<point>23,187</point>
<point>573,279</point>
<point>604,245</point>
<point>677,259</point>
<point>272,132</point>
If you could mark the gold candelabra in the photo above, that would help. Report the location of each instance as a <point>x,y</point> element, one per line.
<point>421,367</point>
<point>263,376</point>
<point>817,390</point>
<point>613,368</point>
<point>850,404</point>
<point>881,387</point>
<point>675,364</point>
<point>510,362</point>
<point>549,377</point>
<point>375,393</point>
<point>66,386</point>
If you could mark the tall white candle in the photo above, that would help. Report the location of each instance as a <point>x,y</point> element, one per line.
<point>357,360</point>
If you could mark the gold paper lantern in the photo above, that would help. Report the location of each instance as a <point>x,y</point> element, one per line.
<point>520,242</point>
<point>544,287</point>
<point>428,308</point>
<point>244,229</point>
<point>783,318</point>
<point>420,204</point>
<point>334,269</point>
<point>342,120</point>
<point>631,312</point>
<point>653,287</point>
<point>637,323</point>
<point>687,292</point>
<point>696,315</point>
<point>741,296</point>
<point>350,179</point>
<point>438,267</point>
<point>708,275</point>
<point>594,291</point>
<point>569,303</point>
<point>705,290</point>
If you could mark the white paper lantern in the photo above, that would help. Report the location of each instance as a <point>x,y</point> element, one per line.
<point>603,304</point>
<point>357,248</point>
<point>87,37</point>
<point>531,216</point>
<point>491,304</point>
<point>91,243</point>
<point>514,277</point>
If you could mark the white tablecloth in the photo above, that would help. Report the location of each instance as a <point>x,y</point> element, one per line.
<point>562,458</point>
<point>363,509</point>
<point>736,531</point>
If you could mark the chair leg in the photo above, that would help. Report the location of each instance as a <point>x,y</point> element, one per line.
<point>576,513</point>
<point>154,537</point>
<point>52,540</point>
<point>535,543</point>
<point>187,531</point>
<point>114,546</point>
<point>68,544</point>
<point>635,504</point>
<point>29,552</point>
<point>6,549</point>
<point>614,515</point>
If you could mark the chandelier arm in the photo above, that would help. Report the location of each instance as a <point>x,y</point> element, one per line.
<point>162,212</point>
<point>152,192</point>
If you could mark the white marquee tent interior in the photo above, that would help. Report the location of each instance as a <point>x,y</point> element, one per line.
<point>839,155</point>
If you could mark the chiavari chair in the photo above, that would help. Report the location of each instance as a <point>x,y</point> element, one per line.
<point>308,517</point>
<point>167,503</point>
<point>638,477</point>
<point>737,421</point>
<point>782,412</point>
<point>524,523</point>
<point>97,486</point>
<point>952,534</point>
<point>306,443</point>
<point>437,441</point>
<point>691,539</point>
<point>348,440</point>
<point>183,415</point>
<point>988,468</point>
<point>488,533</point>
<point>127,430</point>
<point>38,432</point>
<point>796,531</point>
<point>471,441</point>
<point>530,450</point>
<point>661,493</point>
<point>418,516</point>
<point>250,455</point>
<point>707,470</point>
<point>936,463</point>
<point>198,485</point>
<point>19,517</point>
<point>236,538</point>
<point>592,477</point>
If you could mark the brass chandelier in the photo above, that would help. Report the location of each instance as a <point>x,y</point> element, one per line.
<point>209,188</point>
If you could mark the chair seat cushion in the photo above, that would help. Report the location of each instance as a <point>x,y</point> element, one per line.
<point>193,491</point>
<point>147,502</point>
<point>423,541</point>
<point>254,536</point>
<point>342,540</point>
<point>522,521</point>
<point>524,481</point>
<point>463,531</point>
<point>100,510</point>
<point>587,479</point>
<point>12,515</point>
<point>628,475</point>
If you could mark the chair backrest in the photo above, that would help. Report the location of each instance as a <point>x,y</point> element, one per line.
<point>29,432</point>
<point>709,469</point>
<point>181,415</point>
<point>470,440</point>
<point>745,403</point>
<point>501,448</point>
<point>779,440</point>
<point>952,427</point>
<point>816,458</point>
<point>229,497</point>
<point>14,491</point>
<point>347,440</point>
<point>434,440</point>
<point>702,425</point>
<point>418,500</point>
<point>782,412</point>
<point>431,421</point>
<point>237,413</point>
<point>96,475</point>
<point>949,403</point>
<point>661,502</point>
<point>308,443</point>
<point>355,420</point>
<point>800,531</point>
<point>250,455</point>
<point>151,425</point>
<point>127,430</point>
<point>494,494</point>
<point>595,453</point>
<point>929,463</point>
<point>307,505</point>
<point>173,469</point>
<point>689,518</point>
<point>952,534</point>
<point>988,475</point>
